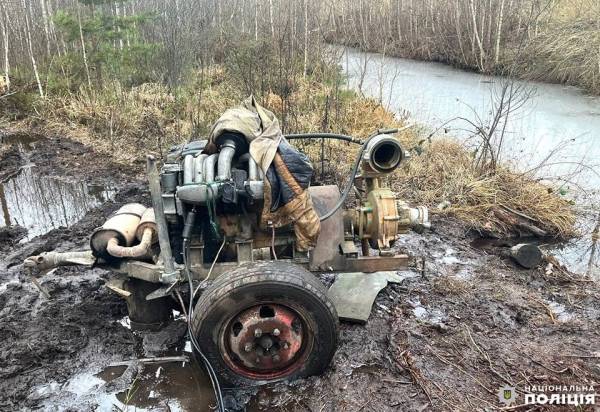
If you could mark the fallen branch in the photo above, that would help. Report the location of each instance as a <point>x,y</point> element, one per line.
<point>516,221</point>
<point>6,95</point>
<point>40,287</point>
<point>164,359</point>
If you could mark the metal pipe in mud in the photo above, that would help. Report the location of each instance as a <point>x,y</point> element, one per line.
<point>169,274</point>
<point>49,260</point>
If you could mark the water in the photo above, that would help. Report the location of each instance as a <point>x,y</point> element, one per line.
<point>554,133</point>
<point>42,203</point>
<point>175,386</point>
<point>434,94</point>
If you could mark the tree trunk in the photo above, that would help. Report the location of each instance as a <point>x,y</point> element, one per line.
<point>255,20</point>
<point>499,32</point>
<point>477,37</point>
<point>30,47</point>
<point>46,26</point>
<point>243,17</point>
<point>459,34</point>
<point>305,38</point>
<point>271,19</point>
<point>6,62</point>
<point>85,60</point>
<point>118,15</point>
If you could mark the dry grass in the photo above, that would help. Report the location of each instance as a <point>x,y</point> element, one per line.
<point>129,123</point>
<point>567,50</point>
<point>450,285</point>
<point>444,171</point>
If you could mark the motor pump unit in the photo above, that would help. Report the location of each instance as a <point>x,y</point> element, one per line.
<point>259,313</point>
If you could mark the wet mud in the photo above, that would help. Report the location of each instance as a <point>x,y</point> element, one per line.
<point>444,339</point>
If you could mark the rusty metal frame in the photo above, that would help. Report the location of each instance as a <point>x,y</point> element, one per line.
<point>368,264</point>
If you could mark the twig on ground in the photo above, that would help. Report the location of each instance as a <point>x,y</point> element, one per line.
<point>547,368</point>
<point>40,287</point>
<point>415,374</point>
<point>546,307</point>
<point>163,359</point>
<point>582,356</point>
<point>487,358</point>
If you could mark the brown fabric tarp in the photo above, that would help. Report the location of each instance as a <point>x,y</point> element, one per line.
<point>281,164</point>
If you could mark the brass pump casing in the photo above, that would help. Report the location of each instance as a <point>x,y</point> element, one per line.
<point>381,215</point>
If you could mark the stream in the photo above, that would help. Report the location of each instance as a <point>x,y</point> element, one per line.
<point>552,133</point>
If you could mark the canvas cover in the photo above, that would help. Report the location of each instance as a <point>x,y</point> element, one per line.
<point>287,171</point>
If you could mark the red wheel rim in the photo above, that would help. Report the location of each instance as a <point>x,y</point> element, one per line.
<point>266,341</point>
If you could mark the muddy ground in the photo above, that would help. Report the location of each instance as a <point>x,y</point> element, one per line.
<point>445,339</point>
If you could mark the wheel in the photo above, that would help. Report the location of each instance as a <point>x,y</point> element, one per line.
<point>264,322</point>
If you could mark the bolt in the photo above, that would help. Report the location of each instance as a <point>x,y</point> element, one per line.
<point>276,358</point>
<point>257,333</point>
<point>248,347</point>
<point>276,332</point>
<point>286,345</point>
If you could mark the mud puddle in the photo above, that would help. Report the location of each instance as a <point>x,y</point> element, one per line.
<point>582,254</point>
<point>175,386</point>
<point>38,201</point>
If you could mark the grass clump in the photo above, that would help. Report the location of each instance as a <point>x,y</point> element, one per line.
<point>445,171</point>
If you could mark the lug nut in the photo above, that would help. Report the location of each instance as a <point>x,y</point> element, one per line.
<point>257,333</point>
<point>248,347</point>
<point>276,332</point>
<point>286,345</point>
<point>276,358</point>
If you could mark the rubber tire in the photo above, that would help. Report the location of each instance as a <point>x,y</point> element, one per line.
<point>249,285</point>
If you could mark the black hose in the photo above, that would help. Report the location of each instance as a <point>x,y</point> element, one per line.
<point>334,136</point>
<point>350,183</point>
<point>345,138</point>
<point>211,372</point>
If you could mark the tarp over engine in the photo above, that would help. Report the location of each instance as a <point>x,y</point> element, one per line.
<point>287,171</point>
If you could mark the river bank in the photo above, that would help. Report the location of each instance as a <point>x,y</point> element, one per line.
<point>551,138</point>
<point>445,339</point>
<point>440,97</point>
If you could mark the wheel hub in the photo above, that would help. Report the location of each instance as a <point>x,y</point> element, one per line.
<point>264,340</point>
